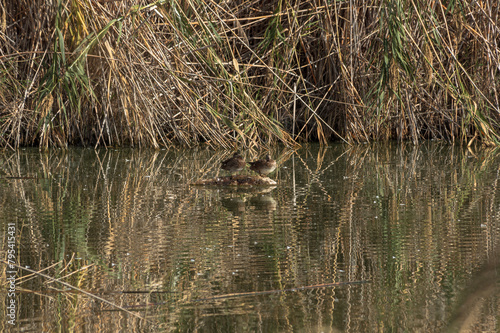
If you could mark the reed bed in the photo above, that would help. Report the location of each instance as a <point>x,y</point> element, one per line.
<point>132,234</point>
<point>247,73</point>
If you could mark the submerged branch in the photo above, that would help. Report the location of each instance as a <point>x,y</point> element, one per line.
<point>279,291</point>
<point>52,279</point>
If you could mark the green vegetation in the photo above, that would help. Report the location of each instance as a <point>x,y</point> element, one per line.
<point>154,74</point>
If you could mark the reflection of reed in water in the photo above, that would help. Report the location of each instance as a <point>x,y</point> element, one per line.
<point>407,218</point>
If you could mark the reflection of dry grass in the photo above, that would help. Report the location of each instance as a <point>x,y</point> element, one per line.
<point>387,214</point>
<point>409,202</point>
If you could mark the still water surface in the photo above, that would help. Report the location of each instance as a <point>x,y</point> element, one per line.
<point>373,238</point>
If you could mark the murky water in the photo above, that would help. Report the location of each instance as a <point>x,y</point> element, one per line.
<point>362,239</point>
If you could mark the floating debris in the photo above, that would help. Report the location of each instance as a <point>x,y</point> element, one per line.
<point>237,180</point>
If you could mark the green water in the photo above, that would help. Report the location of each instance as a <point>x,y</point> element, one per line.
<point>372,238</point>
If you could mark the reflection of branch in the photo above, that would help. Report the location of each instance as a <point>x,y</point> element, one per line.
<point>73,287</point>
<point>279,291</point>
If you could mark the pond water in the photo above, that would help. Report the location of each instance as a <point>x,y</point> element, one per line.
<point>371,238</point>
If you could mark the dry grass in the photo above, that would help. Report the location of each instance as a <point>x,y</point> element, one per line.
<point>151,74</point>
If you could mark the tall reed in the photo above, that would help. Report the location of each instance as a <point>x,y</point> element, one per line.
<point>151,74</point>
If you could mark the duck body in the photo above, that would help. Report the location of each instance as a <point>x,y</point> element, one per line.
<point>233,164</point>
<point>264,166</point>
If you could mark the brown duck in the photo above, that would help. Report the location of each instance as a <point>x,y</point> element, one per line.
<point>233,164</point>
<point>264,166</point>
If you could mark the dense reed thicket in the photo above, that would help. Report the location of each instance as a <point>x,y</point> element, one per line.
<point>247,73</point>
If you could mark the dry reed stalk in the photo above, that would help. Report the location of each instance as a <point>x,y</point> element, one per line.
<point>160,73</point>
